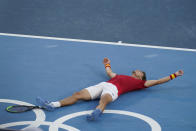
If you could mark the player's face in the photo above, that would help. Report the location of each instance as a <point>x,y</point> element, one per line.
<point>137,74</point>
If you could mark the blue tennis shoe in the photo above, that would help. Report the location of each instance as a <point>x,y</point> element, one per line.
<point>44,103</point>
<point>94,115</point>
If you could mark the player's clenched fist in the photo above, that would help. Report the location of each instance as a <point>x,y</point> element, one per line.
<point>106,61</point>
<point>179,73</point>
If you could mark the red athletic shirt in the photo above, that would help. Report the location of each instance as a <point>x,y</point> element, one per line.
<point>126,83</point>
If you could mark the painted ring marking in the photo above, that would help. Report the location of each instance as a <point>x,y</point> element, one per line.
<point>153,124</point>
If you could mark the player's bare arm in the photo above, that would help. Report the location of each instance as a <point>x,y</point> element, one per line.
<point>150,83</point>
<point>108,69</point>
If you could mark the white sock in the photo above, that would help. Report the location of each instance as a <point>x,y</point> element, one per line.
<point>55,104</point>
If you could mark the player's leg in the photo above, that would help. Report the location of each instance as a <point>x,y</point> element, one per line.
<point>109,94</point>
<point>89,93</point>
<point>104,101</point>
<point>81,95</point>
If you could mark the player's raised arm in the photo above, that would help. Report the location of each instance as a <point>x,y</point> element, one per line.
<point>150,83</point>
<point>108,69</point>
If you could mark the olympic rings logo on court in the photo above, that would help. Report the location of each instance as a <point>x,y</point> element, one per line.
<point>54,126</point>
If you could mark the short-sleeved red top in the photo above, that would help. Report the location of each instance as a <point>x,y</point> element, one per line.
<point>126,83</point>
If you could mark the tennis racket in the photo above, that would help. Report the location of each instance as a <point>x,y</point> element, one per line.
<point>21,108</point>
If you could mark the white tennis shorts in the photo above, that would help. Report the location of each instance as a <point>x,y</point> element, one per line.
<point>102,88</point>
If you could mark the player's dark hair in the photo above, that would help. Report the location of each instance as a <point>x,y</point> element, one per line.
<point>144,76</point>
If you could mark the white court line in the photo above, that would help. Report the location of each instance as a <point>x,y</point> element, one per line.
<point>98,42</point>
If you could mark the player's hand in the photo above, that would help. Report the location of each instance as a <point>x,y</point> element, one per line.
<point>106,61</point>
<point>179,73</point>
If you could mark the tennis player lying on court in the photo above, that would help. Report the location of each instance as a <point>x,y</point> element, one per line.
<point>108,91</point>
